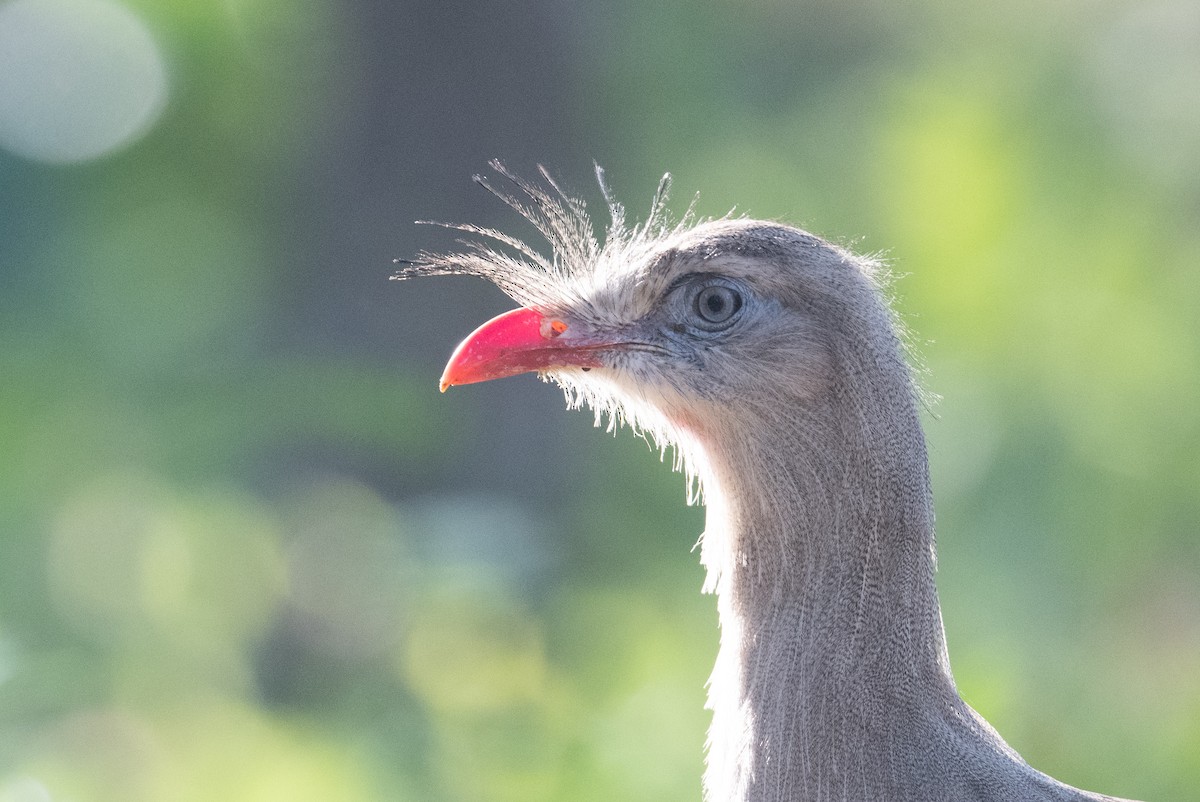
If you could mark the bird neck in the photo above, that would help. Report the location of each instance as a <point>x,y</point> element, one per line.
<point>819,544</point>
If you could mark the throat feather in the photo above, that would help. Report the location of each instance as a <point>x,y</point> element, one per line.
<point>819,562</point>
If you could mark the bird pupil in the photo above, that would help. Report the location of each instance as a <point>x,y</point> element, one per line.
<point>717,304</point>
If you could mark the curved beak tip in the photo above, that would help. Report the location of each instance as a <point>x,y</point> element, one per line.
<point>518,341</point>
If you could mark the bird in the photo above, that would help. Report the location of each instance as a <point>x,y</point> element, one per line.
<point>773,364</point>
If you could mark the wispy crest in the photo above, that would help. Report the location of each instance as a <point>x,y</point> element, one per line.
<point>527,275</point>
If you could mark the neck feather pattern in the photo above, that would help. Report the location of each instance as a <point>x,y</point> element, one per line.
<point>830,623</point>
<point>832,681</point>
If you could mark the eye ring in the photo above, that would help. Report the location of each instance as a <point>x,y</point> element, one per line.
<point>716,306</point>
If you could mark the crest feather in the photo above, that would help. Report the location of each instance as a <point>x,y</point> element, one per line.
<point>529,276</point>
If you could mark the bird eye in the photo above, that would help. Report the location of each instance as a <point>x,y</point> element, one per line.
<point>716,305</point>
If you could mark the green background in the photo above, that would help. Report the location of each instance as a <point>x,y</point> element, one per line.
<point>248,552</point>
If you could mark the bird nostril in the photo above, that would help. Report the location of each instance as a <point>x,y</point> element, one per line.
<point>555,328</point>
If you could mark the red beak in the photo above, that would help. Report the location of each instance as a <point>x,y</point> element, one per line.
<point>518,342</point>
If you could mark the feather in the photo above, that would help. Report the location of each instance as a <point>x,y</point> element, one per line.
<point>795,416</point>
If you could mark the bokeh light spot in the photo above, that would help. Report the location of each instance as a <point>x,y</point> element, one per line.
<point>78,79</point>
<point>24,789</point>
<point>350,580</point>
<point>474,651</point>
<point>130,556</point>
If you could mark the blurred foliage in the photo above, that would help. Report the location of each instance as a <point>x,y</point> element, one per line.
<point>248,553</point>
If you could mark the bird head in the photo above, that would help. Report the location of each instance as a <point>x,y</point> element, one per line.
<point>687,331</point>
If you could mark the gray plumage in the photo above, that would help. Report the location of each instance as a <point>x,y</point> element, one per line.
<point>798,421</point>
